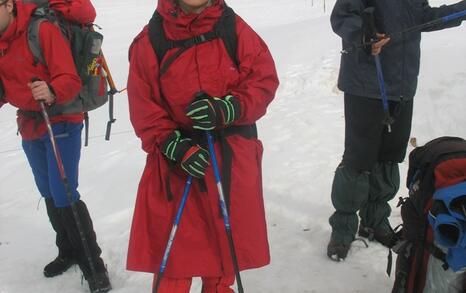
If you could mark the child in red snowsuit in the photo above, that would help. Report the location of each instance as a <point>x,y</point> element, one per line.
<point>172,102</point>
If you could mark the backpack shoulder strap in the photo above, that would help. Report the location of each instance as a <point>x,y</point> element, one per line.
<point>226,30</point>
<point>40,15</point>
<point>34,41</point>
<point>157,37</point>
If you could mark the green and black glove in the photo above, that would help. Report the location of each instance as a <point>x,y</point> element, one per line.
<point>210,112</point>
<point>192,158</point>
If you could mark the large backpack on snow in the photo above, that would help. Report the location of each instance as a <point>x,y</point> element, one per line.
<point>432,249</point>
<point>85,45</point>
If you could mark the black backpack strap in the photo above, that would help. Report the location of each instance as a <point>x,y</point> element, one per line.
<point>225,28</point>
<point>157,37</point>
<point>2,92</point>
<point>184,45</point>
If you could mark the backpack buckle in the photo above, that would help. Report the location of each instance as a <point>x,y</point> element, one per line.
<point>199,39</point>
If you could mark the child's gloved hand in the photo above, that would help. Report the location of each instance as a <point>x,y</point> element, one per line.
<point>211,112</point>
<point>193,158</point>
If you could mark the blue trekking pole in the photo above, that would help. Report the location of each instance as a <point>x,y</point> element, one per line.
<point>168,248</point>
<point>387,119</point>
<point>370,32</point>
<point>434,22</point>
<point>419,27</point>
<point>226,218</point>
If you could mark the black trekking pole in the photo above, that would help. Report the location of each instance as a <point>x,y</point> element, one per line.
<point>419,27</point>
<point>176,222</point>
<point>61,170</point>
<point>226,218</point>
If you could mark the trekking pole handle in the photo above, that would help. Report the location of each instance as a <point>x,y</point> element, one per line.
<point>48,124</point>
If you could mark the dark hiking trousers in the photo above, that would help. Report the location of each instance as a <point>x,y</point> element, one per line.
<point>368,177</point>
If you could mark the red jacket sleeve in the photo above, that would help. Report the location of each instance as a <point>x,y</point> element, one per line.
<point>258,76</point>
<point>56,51</point>
<point>81,11</point>
<point>151,122</point>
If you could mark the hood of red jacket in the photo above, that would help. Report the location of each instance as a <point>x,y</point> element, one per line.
<point>172,13</point>
<point>19,23</point>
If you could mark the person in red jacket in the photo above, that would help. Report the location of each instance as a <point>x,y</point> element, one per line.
<point>25,84</point>
<point>172,102</point>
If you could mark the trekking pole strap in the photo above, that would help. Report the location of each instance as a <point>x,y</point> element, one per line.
<point>86,129</point>
<point>111,118</point>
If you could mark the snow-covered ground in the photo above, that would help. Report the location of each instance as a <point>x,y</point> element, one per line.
<point>303,137</point>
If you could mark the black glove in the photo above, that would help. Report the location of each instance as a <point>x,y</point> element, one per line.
<point>193,158</point>
<point>210,112</point>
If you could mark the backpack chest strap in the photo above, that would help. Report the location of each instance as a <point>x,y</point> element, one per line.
<point>199,39</point>
<point>184,45</point>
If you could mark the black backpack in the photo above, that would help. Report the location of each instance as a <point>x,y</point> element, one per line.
<point>85,45</point>
<point>439,163</point>
<point>225,29</point>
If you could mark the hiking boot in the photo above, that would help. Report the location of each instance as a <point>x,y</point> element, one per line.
<point>337,250</point>
<point>385,237</point>
<point>99,284</point>
<point>58,266</point>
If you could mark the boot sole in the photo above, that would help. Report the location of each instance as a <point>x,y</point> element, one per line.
<point>50,275</point>
<point>335,258</point>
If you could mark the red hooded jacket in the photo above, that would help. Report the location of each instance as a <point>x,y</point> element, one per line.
<point>200,247</point>
<point>17,68</point>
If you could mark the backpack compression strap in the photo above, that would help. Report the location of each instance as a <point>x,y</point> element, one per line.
<point>225,28</point>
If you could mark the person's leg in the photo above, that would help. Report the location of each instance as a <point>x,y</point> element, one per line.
<point>68,141</point>
<point>66,257</point>
<point>384,184</point>
<point>350,188</point>
<point>36,154</point>
<point>385,177</point>
<point>172,285</point>
<point>218,285</point>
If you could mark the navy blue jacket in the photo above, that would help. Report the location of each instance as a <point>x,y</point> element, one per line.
<point>400,57</point>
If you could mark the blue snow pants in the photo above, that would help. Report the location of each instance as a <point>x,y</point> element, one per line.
<point>40,155</point>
